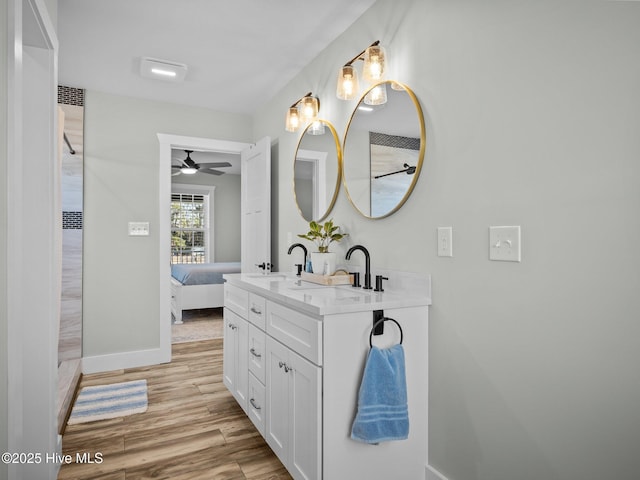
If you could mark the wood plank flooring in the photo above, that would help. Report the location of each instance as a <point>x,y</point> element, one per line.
<point>193,429</point>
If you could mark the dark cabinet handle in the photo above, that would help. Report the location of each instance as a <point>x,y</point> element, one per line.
<point>253,352</point>
<point>253,404</point>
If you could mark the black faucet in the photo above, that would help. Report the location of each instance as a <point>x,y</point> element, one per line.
<point>304,249</point>
<point>367,264</point>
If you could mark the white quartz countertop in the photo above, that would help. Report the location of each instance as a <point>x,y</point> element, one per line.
<point>287,289</point>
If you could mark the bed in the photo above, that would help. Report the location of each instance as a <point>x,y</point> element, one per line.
<point>198,285</point>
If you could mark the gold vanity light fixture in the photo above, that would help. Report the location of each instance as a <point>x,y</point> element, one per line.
<point>302,111</point>
<point>374,58</point>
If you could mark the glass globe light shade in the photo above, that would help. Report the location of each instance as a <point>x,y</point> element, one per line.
<point>377,95</point>
<point>347,83</point>
<point>374,63</point>
<point>292,121</point>
<point>309,108</point>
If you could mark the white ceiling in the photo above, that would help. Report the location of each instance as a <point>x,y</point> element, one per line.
<point>239,52</point>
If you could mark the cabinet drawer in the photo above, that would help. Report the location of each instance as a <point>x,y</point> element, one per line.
<point>256,352</point>
<point>236,299</point>
<point>301,333</point>
<point>257,310</point>
<point>255,405</point>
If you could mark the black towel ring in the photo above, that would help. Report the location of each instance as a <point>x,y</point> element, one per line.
<point>382,320</point>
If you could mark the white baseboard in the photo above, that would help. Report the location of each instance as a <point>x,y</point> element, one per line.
<point>432,474</point>
<point>118,361</point>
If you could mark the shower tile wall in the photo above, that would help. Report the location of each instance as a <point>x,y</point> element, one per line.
<point>71,101</point>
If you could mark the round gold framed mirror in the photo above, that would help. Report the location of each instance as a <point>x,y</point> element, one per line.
<point>383,149</point>
<point>317,170</point>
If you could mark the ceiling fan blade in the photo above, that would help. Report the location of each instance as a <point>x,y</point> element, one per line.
<point>211,172</point>
<point>176,173</point>
<point>215,165</point>
<point>177,166</point>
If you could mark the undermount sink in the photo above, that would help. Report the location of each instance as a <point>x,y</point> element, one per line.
<point>334,293</point>
<point>303,285</point>
<point>267,276</point>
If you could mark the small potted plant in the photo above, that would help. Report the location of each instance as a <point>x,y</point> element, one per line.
<point>323,261</point>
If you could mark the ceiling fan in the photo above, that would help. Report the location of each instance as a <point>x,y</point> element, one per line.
<point>189,167</point>
<point>408,169</point>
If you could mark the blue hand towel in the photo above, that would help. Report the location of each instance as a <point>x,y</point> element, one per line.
<point>382,401</point>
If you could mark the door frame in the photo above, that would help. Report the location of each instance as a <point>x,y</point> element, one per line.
<point>32,127</point>
<point>167,143</point>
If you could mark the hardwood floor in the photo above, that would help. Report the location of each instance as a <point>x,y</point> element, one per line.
<point>193,429</point>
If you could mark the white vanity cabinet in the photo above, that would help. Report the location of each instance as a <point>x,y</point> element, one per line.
<point>305,354</point>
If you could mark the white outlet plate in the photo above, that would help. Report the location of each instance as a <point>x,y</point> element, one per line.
<point>505,243</point>
<point>138,229</point>
<point>445,241</point>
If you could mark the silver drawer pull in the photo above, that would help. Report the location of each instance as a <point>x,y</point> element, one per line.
<point>257,312</point>
<point>253,404</point>
<point>253,352</point>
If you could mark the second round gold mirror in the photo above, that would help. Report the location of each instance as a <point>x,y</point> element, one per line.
<point>383,149</point>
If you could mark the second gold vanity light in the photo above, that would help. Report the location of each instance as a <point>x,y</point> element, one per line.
<point>374,58</point>
<point>302,112</point>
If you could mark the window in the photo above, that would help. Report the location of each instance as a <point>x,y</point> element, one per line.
<point>189,228</point>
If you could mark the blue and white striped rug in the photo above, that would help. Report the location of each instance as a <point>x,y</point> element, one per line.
<point>109,401</point>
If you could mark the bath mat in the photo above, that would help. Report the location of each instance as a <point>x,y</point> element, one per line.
<point>101,402</point>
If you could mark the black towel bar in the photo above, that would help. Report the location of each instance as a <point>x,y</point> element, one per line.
<point>379,322</point>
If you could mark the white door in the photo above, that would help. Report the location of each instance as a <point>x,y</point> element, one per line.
<point>256,206</point>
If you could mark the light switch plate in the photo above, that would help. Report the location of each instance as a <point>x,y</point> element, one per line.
<point>445,241</point>
<point>138,229</point>
<point>505,243</point>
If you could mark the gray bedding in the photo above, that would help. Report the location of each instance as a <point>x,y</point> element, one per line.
<point>203,273</point>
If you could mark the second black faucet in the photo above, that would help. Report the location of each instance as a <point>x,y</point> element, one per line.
<point>367,264</point>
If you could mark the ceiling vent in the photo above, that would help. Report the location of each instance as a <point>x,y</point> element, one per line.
<point>162,70</point>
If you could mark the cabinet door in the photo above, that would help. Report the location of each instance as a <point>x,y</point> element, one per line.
<point>305,418</point>
<point>277,402</point>
<point>235,366</point>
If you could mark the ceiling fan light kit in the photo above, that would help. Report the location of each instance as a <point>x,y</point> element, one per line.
<point>189,167</point>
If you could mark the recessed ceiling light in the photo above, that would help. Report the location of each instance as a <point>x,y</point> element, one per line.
<point>162,69</point>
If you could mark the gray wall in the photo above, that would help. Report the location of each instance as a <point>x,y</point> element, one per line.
<point>532,120</point>
<point>121,184</point>
<point>226,228</point>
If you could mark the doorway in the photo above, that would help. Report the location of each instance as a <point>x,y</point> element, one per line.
<point>168,144</point>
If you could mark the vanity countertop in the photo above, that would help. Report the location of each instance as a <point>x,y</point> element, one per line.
<point>319,300</point>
